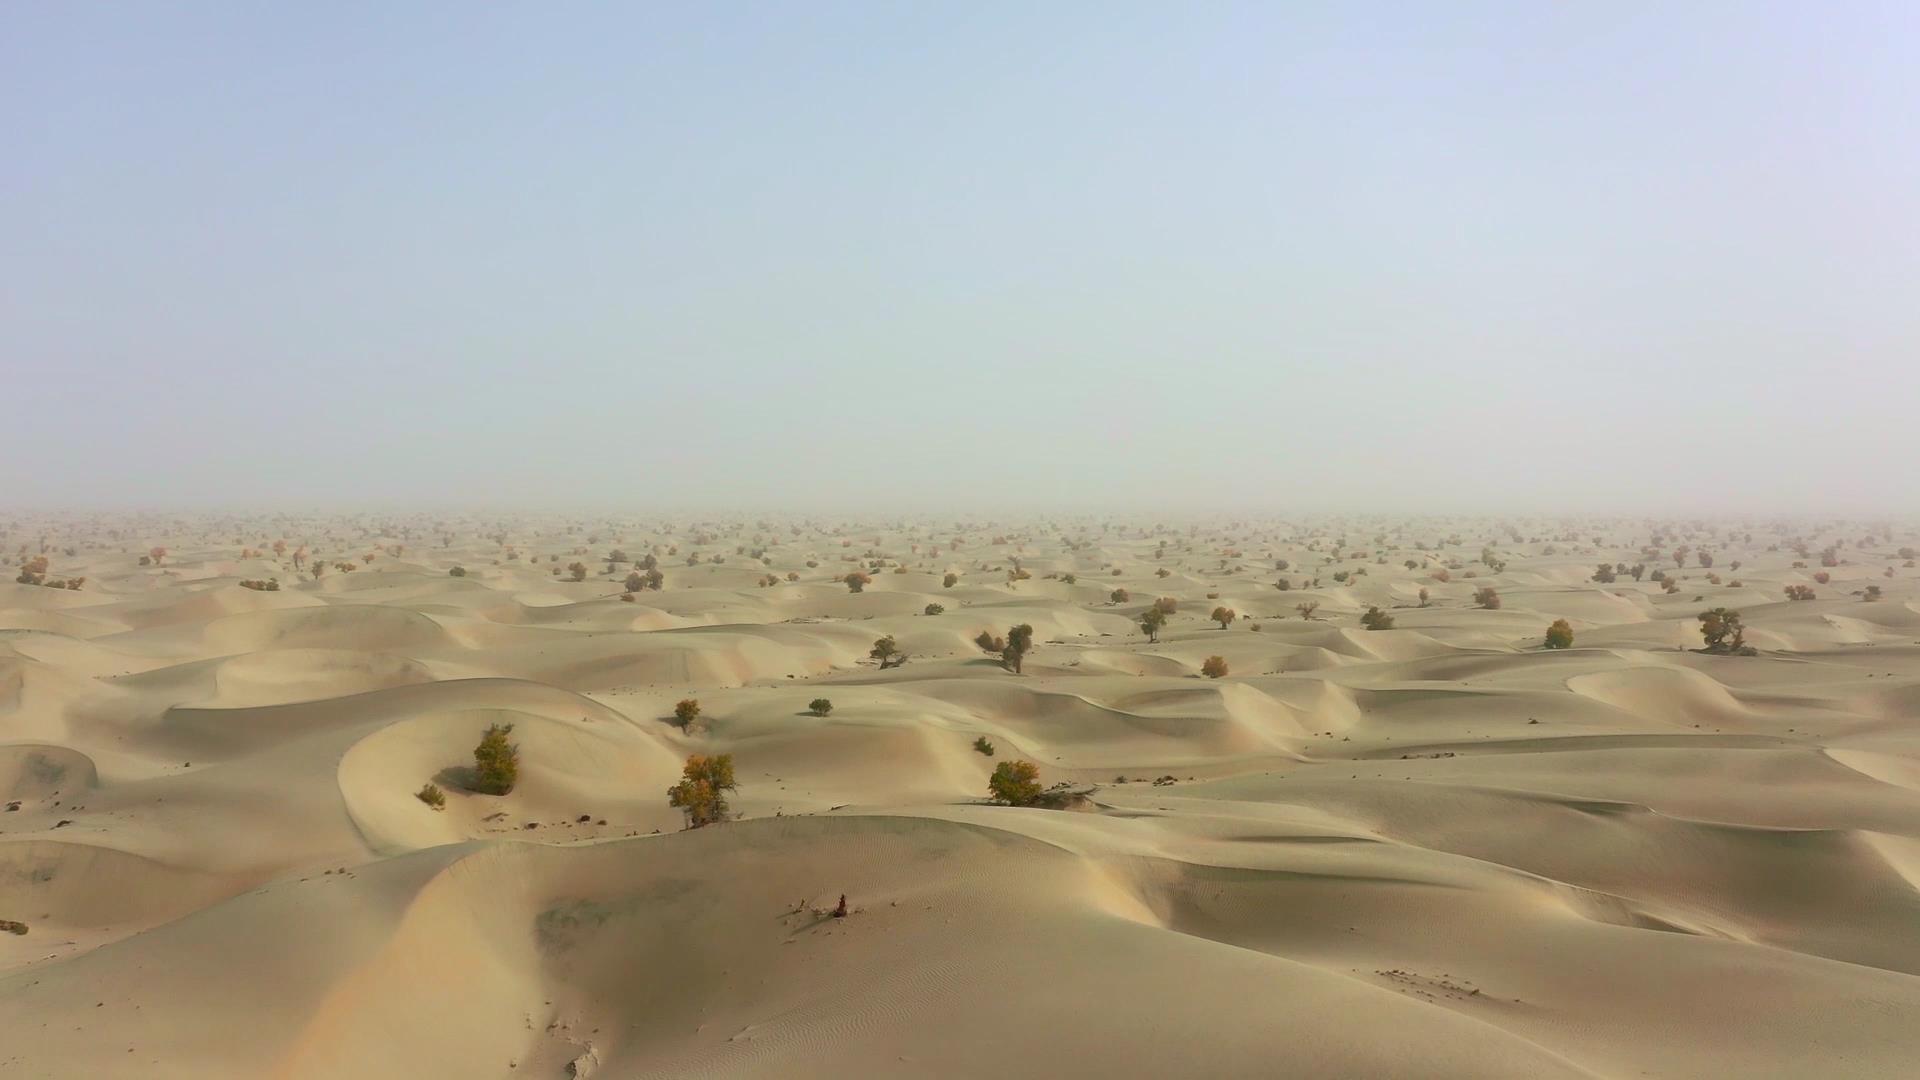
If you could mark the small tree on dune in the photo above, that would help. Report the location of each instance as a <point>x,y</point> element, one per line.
<point>1214,667</point>
<point>1019,644</point>
<point>1375,619</point>
<point>685,712</point>
<point>1151,620</point>
<point>702,791</point>
<point>989,644</point>
<point>820,706</point>
<point>1560,635</point>
<point>857,581</point>
<point>578,571</point>
<point>1015,783</point>
<point>1487,597</point>
<point>887,652</point>
<point>1119,596</point>
<point>496,762</point>
<point>1721,630</point>
<point>1224,616</point>
<point>1307,609</point>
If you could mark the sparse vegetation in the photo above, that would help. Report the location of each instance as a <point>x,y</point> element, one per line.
<point>1214,667</point>
<point>1560,635</point>
<point>686,712</point>
<point>701,793</point>
<point>1015,783</point>
<point>819,706</point>
<point>1375,619</point>
<point>1224,616</point>
<point>1487,597</point>
<point>1307,609</point>
<point>432,796</point>
<point>496,762</point>
<point>935,609</point>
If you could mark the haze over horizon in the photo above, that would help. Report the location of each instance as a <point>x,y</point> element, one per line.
<point>1481,257</point>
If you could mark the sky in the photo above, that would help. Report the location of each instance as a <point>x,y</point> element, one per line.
<point>1420,257</point>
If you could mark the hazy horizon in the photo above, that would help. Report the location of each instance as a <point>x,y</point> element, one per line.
<point>1492,258</point>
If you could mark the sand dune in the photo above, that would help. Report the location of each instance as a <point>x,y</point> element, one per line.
<point>1438,849</point>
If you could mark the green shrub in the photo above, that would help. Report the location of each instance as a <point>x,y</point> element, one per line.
<point>496,762</point>
<point>685,712</point>
<point>1375,619</point>
<point>820,706</point>
<point>1015,783</point>
<point>432,796</point>
<point>984,746</point>
<point>1560,635</point>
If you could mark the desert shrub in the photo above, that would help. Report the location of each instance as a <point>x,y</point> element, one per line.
<point>1214,667</point>
<point>1224,616</point>
<point>496,762</point>
<point>1442,576</point>
<point>701,793</point>
<point>1670,586</point>
<point>1019,644</point>
<point>1375,619</point>
<point>1069,579</point>
<point>1151,620</point>
<point>1800,592</point>
<point>432,796</point>
<point>1119,596</point>
<point>989,644</point>
<point>1487,597</point>
<point>935,609</point>
<point>1307,609</point>
<point>1604,575</point>
<point>1163,572</point>
<point>949,581</point>
<point>887,651</point>
<point>269,585</point>
<point>1412,564</point>
<point>857,580</point>
<point>1823,577</point>
<point>1015,783</point>
<point>1560,635</point>
<point>984,745</point>
<point>1425,600</point>
<point>1167,605</point>
<point>578,571</point>
<point>1722,631</point>
<point>458,571</point>
<point>1872,593</point>
<point>819,706</point>
<point>685,712</point>
<point>1283,585</point>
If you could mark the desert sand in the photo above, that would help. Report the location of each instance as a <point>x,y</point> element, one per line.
<point>1435,850</point>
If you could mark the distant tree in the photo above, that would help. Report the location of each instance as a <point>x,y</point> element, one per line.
<point>1425,601</point>
<point>857,580</point>
<point>1019,644</point>
<point>1605,574</point>
<point>1800,592</point>
<point>685,712</point>
<point>949,580</point>
<point>820,706</point>
<point>935,609</point>
<point>1214,667</point>
<point>157,554</point>
<point>984,745</point>
<point>1375,619</point>
<point>1872,593</point>
<point>1151,620</point>
<point>1015,783</point>
<point>1307,609</point>
<point>496,762</point>
<point>1224,616</point>
<point>1721,630</point>
<point>1119,596</point>
<point>1283,585</point>
<point>1823,577</point>
<point>1167,605</point>
<point>578,571</point>
<point>989,644</point>
<point>1560,635</point>
<point>1487,597</point>
<point>887,652</point>
<point>702,791</point>
<point>458,571</point>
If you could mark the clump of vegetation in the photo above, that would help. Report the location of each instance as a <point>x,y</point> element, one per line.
<point>1224,616</point>
<point>701,793</point>
<point>1151,620</point>
<point>685,712</point>
<point>1015,783</point>
<point>949,581</point>
<point>1019,644</point>
<point>13,926</point>
<point>1167,605</point>
<point>1872,593</point>
<point>458,571</point>
<point>1823,577</point>
<point>432,796</point>
<point>1560,635</point>
<point>887,651</point>
<point>989,644</point>
<point>1720,628</point>
<point>984,745</point>
<point>269,585</point>
<point>1307,609</point>
<point>1800,592</point>
<point>857,581</point>
<point>496,762</point>
<point>1119,596</point>
<point>1214,667</point>
<point>1375,619</point>
<point>1487,597</point>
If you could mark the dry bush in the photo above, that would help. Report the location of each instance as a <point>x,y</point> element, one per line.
<point>1214,667</point>
<point>1487,597</point>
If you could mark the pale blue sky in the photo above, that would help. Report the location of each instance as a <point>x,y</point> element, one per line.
<point>1388,256</point>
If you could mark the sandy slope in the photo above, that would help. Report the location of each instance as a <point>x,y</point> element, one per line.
<point>1432,850</point>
